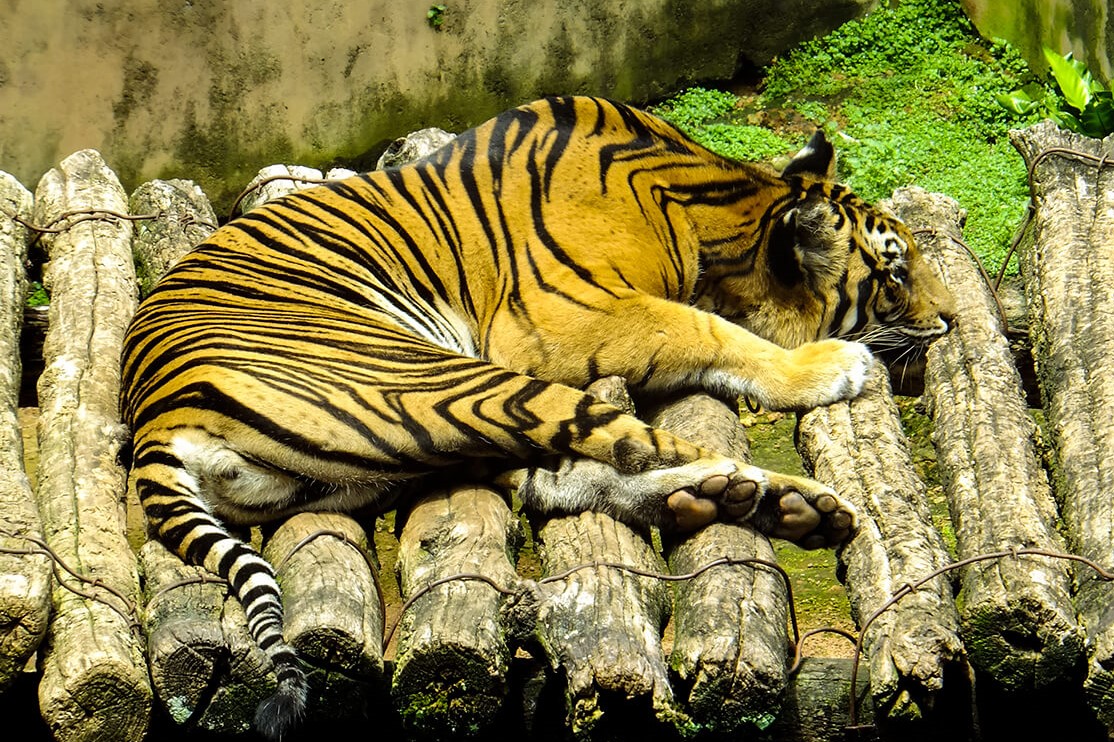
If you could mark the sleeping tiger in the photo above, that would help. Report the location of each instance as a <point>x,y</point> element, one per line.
<point>320,352</point>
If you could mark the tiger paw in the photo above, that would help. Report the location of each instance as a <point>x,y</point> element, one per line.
<point>823,372</point>
<point>728,497</point>
<point>804,512</point>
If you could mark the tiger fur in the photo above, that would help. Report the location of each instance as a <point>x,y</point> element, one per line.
<point>321,351</point>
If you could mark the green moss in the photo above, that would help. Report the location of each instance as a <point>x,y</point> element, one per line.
<point>37,296</point>
<point>712,118</point>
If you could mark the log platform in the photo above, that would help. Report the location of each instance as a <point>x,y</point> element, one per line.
<point>467,617</point>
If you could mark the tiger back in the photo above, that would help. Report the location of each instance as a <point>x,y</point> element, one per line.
<point>322,350</point>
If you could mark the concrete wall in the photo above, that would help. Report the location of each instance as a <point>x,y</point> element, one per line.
<point>214,89</point>
<point>1083,27</point>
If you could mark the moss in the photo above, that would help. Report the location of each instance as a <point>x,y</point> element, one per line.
<point>37,295</point>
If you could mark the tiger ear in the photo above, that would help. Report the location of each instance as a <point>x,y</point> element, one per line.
<point>806,244</point>
<point>817,159</point>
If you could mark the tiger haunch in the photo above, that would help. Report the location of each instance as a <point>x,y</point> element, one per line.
<point>328,347</point>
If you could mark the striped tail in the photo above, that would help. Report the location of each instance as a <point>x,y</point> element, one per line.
<point>178,515</point>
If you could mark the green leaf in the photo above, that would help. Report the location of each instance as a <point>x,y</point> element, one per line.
<point>1097,118</point>
<point>1065,120</point>
<point>1072,78</point>
<point>1018,102</point>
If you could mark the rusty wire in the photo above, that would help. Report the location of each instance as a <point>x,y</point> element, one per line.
<point>1030,212</point>
<point>638,571</point>
<point>799,639</point>
<point>991,286</point>
<point>77,216</point>
<point>123,605</point>
<point>270,179</point>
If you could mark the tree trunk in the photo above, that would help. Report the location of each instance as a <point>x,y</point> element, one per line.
<point>95,682</point>
<point>453,655</point>
<point>24,578</point>
<point>184,218</point>
<point>602,626</point>
<point>1069,278</point>
<point>913,646</point>
<point>206,669</point>
<point>730,648</point>
<point>1019,624</point>
<point>328,570</point>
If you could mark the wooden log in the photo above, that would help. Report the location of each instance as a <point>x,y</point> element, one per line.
<point>1018,621</point>
<point>602,626</point>
<point>207,671</point>
<point>329,574</point>
<point>859,449</point>
<point>818,703</point>
<point>413,146</point>
<point>1069,277</point>
<point>453,654</point>
<point>275,181</point>
<point>94,682</point>
<point>183,217</point>
<point>24,577</point>
<point>730,649</point>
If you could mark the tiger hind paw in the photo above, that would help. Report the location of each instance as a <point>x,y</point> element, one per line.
<point>792,508</point>
<point>804,512</point>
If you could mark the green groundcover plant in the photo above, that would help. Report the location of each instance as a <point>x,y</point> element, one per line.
<point>910,96</point>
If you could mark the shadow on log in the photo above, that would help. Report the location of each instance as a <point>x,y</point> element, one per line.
<point>207,672</point>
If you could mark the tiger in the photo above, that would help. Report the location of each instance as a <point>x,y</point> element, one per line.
<point>331,348</point>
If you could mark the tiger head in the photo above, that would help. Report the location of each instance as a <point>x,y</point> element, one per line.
<point>827,264</point>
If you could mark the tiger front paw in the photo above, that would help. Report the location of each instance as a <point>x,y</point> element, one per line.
<point>823,372</point>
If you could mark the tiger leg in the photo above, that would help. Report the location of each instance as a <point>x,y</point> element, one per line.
<point>467,409</point>
<point>662,345</point>
<point>797,509</point>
